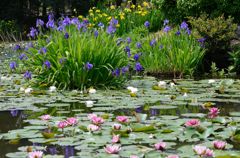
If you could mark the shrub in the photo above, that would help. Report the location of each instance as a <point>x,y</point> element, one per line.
<point>173,51</point>
<point>9,30</point>
<point>217,34</point>
<point>235,57</point>
<point>177,10</point>
<point>73,56</point>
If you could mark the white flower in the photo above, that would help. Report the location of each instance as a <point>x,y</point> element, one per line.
<point>28,90</point>
<point>211,81</point>
<point>185,95</point>
<point>4,78</point>
<point>22,89</point>
<point>132,89</point>
<point>52,89</point>
<point>162,84</point>
<point>89,103</point>
<point>92,90</point>
<point>172,84</point>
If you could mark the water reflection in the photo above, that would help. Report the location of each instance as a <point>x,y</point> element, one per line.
<point>68,151</point>
<point>14,113</point>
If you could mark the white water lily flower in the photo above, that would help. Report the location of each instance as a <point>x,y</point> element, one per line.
<point>28,90</point>
<point>162,84</point>
<point>185,95</point>
<point>4,78</point>
<point>92,90</point>
<point>22,89</point>
<point>172,84</point>
<point>211,81</point>
<point>132,89</point>
<point>89,103</point>
<point>52,89</point>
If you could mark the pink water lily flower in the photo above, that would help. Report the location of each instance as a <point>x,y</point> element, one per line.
<point>173,156</point>
<point>122,119</point>
<point>62,124</point>
<point>203,151</point>
<point>219,144</point>
<point>213,112</point>
<point>117,126</point>
<point>93,128</point>
<point>160,146</point>
<point>192,123</point>
<point>90,116</point>
<point>72,121</point>
<point>115,139</point>
<point>45,117</point>
<point>134,156</point>
<point>112,149</point>
<point>35,154</point>
<point>97,120</point>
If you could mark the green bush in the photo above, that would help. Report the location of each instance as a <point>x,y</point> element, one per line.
<point>9,30</point>
<point>171,52</point>
<point>177,10</point>
<point>218,32</point>
<point>73,56</point>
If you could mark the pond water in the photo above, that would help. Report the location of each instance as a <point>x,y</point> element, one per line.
<point>155,113</point>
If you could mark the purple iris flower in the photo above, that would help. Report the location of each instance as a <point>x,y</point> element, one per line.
<point>13,65</point>
<point>125,69</point>
<point>138,67</point>
<point>96,33</point>
<point>147,24</point>
<point>111,29</point>
<point>165,22</point>
<point>69,151</point>
<point>43,50</point>
<point>201,40</point>
<point>50,16</point>
<point>62,60</point>
<point>50,23</point>
<point>23,56</point>
<point>129,40</point>
<point>178,33</point>
<point>101,25</point>
<point>60,28</point>
<point>184,25</point>
<point>116,72</point>
<point>33,32</point>
<point>88,66</point>
<point>138,45</point>
<point>113,22</point>
<point>17,47</point>
<point>153,42</point>
<point>66,21</point>
<point>167,28</point>
<point>28,75</point>
<point>52,150</point>
<point>39,23</point>
<point>66,35</point>
<point>74,21</point>
<point>188,31</point>
<point>47,64</point>
<point>128,50</point>
<point>137,56</point>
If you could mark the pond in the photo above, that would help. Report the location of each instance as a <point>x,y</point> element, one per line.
<point>157,111</point>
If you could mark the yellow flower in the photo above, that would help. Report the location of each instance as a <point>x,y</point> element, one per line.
<point>98,11</point>
<point>118,25</point>
<point>112,7</point>
<point>133,6</point>
<point>91,14</point>
<point>127,10</point>
<point>90,11</point>
<point>95,19</point>
<point>109,18</point>
<point>93,8</point>
<point>139,7</point>
<point>90,25</point>
<point>104,14</point>
<point>145,4</point>
<point>80,16</point>
<point>100,15</point>
<point>122,17</point>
